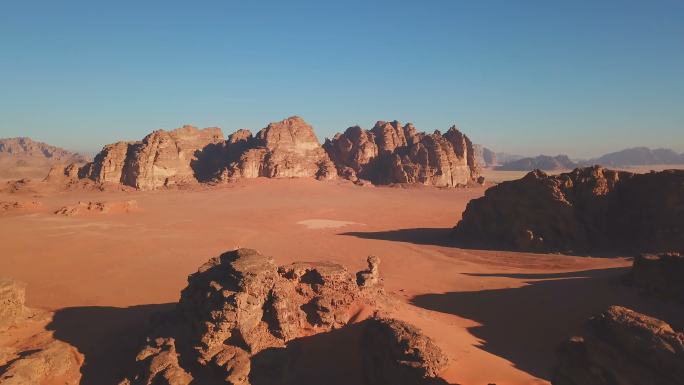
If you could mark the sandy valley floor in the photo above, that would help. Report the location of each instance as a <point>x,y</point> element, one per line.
<point>499,315</point>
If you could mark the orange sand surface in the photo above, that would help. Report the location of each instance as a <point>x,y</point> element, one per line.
<point>498,315</point>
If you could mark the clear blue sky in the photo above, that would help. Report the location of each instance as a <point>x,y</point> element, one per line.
<point>576,77</point>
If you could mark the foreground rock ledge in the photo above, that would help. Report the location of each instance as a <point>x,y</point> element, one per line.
<point>622,347</point>
<point>244,320</point>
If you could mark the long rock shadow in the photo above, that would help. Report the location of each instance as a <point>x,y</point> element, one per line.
<point>525,325</point>
<point>421,236</point>
<point>108,337</point>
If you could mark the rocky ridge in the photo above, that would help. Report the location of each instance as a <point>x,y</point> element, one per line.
<point>27,147</point>
<point>391,153</point>
<point>387,154</point>
<point>587,210</point>
<point>244,320</point>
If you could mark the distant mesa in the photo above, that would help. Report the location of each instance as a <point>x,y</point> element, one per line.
<point>23,147</point>
<point>541,162</point>
<point>386,154</point>
<point>391,153</point>
<point>590,209</point>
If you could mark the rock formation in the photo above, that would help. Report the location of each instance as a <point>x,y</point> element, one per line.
<point>161,159</point>
<point>390,153</point>
<point>484,157</point>
<point>622,347</point>
<point>240,311</point>
<point>47,359</point>
<point>541,162</point>
<point>586,210</point>
<point>26,147</point>
<point>639,156</point>
<point>284,149</point>
<point>660,274</point>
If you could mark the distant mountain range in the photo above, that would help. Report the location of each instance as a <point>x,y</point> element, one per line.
<point>542,162</point>
<point>637,156</point>
<point>23,147</point>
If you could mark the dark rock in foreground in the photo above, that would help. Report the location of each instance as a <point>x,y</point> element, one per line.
<point>587,210</point>
<point>660,274</point>
<point>622,347</point>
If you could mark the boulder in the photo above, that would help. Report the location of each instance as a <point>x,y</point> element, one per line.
<point>622,347</point>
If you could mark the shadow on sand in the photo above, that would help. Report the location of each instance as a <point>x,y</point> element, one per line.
<point>421,236</point>
<point>108,337</point>
<point>525,325</point>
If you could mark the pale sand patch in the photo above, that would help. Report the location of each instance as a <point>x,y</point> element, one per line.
<point>315,224</point>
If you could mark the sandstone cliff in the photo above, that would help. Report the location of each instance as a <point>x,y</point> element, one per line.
<point>586,210</point>
<point>244,320</point>
<point>284,149</point>
<point>162,158</point>
<point>391,153</point>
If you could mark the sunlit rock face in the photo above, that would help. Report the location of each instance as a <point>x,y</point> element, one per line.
<point>391,153</point>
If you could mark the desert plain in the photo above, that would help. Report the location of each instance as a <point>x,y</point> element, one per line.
<point>498,315</point>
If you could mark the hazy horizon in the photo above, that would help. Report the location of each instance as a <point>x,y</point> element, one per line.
<point>527,78</point>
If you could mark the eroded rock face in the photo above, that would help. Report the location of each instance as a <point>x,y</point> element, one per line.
<point>284,149</point>
<point>622,347</point>
<point>588,209</point>
<point>241,310</point>
<point>390,153</point>
<point>660,274</point>
<point>27,147</point>
<point>162,158</point>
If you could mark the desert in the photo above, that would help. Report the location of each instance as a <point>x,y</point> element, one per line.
<point>113,258</point>
<point>341,193</point>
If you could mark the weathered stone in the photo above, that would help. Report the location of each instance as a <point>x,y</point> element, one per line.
<point>660,274</point>
<point>390,153</point>
<point>588,209</point>
<point>622,347</point>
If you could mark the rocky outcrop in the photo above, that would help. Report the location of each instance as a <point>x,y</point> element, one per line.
<point>241,310</point>
<point>12,299</point>
<point>660,274</point>
<point>26,147</point>
<point>586,210</point>
<point>398,353</point>
<point>161,159</point>
<point>390,153</point>
<point>56,361</point>
<point>622,347</point>
<point>284,149</point>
